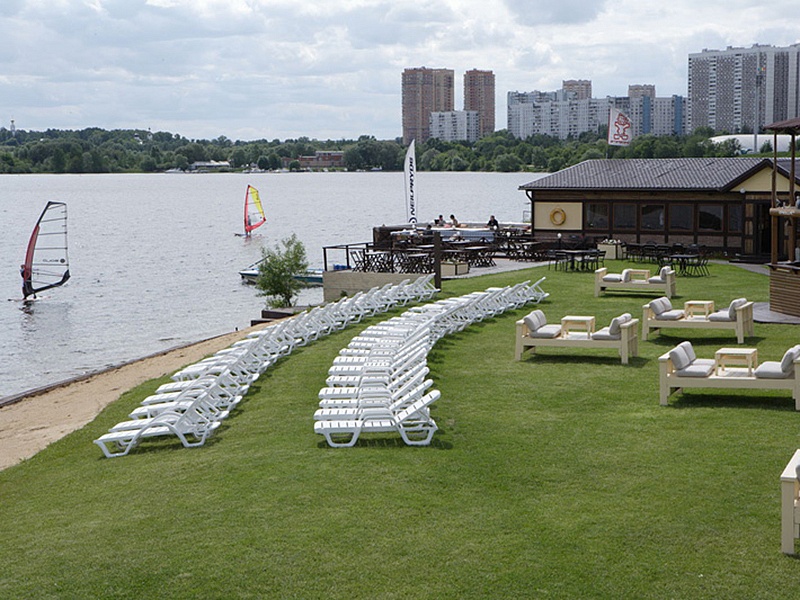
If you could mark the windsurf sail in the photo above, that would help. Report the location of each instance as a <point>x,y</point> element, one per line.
<point>46,261</point>
<point>410,173</point>
<point>254,216</point>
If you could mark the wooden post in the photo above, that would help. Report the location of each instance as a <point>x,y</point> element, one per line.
<point>437,259</point>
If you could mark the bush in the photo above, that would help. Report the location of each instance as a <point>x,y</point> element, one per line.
<point>277,269</point>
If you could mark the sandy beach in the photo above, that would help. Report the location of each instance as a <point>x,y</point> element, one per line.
<point>33,423</point>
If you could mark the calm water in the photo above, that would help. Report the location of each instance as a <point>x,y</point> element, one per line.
<point>154,258</point>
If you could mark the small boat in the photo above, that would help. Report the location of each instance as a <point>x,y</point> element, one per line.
<point>311,276</point>
<point>254,216</point>
<point>46,261</point>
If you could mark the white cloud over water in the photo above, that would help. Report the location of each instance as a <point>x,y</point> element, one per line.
<point>249,69</point>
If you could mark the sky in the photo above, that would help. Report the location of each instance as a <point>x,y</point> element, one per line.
<point>331,69</point>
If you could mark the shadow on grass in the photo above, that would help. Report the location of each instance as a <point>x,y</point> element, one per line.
<point>689,400</point>
<point>637,362</point>
<point>670,341</point>
<point>436,443</point>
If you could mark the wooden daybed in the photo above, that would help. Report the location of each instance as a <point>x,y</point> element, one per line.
<point>705,373</point>
<point>790,504</point>
<point>738,317</point>
<point>635,280</point>
<point>621,335</point>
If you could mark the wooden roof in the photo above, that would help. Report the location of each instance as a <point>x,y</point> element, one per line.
<point>711,174</point>
<point>791,126</point>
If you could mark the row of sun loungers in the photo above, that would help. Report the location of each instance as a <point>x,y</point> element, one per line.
<point>379,384</point>
<point>200,396</point>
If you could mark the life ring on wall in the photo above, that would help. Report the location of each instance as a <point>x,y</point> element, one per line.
<point>558,216</point>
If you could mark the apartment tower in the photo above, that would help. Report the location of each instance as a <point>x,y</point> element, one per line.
<point>582,88</point>
<point>425,91</point>
<point>479,96</point>
<point>740,90</point>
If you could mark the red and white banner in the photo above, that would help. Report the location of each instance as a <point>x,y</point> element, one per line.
<point>619,128</point>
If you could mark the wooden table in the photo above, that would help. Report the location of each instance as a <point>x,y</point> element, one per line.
<point>574,321</point>
<point>745,357</point>
<point>693,307</point>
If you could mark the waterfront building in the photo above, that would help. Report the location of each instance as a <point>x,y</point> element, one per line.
<point>479,96</point>
<point>456,125</point>
<point>425,91</point>
<point>738,90</point>
<point>652,115</point>
<point>720,203</point>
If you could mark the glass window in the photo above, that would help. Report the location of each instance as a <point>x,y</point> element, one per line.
<point>710,217</point>
<point>735,217</point>
<point>680,217</point>
<point>653,217</point>
<point>597,216</point>
<point>624,216</point>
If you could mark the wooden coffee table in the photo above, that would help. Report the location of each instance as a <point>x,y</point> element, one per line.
<point>742,357</point>
<point>570,322</point>
<point>694,308</point>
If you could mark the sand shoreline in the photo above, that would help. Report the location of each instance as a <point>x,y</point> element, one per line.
<point>42,417</point>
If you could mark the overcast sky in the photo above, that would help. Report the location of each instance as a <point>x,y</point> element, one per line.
<point>331,69</point>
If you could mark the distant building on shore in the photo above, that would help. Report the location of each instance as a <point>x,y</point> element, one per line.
<point>479,96</point>
<point>456,126</point>
<point>425,91</point>
<point>739,90</point>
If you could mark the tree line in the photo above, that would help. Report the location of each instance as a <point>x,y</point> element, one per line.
<point>95,150</point>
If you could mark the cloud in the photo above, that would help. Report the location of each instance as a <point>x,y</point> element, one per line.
<point>248,69</point>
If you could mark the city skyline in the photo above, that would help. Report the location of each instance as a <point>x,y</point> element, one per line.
<point>253,69</point>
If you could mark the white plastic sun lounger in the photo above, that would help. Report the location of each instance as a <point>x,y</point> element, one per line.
<point>414,424</point>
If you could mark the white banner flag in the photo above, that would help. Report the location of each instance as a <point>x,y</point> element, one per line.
<point>619,128</point>
<point>411,171</point>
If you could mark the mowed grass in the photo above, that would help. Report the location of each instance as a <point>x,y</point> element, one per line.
<point>557,476</point>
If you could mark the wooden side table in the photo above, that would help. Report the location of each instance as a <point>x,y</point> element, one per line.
<point>693,308</point>
<point>744,357</point>
<point>570,322</point>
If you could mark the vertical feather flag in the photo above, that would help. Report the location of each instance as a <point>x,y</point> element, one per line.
<point>410,173</point>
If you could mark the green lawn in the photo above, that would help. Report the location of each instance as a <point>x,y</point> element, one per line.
<point>558,476</point>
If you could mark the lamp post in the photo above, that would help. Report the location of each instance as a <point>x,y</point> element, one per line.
<point>559,240</point>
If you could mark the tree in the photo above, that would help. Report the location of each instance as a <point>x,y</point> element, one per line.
<point>277,269</point>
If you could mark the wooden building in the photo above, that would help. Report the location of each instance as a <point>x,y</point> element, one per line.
<point>720,203</point>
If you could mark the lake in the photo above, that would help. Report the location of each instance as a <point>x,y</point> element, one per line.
<point>154,258</point>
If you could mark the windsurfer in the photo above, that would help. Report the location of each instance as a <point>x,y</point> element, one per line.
<point>27,288</point>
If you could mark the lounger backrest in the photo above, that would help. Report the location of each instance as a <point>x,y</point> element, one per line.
<point>687,347</point>
<point>680,360</point>
<point>418,405</point>
<point>660,305</point>
<point>734,305</point>
<point>618,322</point>
<point>535,319</point>
<point>664,272</point>
<point>626,275</point>
<point>787,362</point>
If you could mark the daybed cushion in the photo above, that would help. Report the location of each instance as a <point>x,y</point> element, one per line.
<point>660,305</point>
<point>612,277</point>
<point>618,322</point>
<point>696,369</point>
<point>770,369</point>
<point>534,320</point>
<point>605,334</point>
<point>734,305</point>
<point>687,347</point>
<point>662,275</point>
<point>787,362</point>
<point>670,315</point>
<point>626,275</point>
<point>680,360</point>
<point>721,315</point>
<point>546,331</point>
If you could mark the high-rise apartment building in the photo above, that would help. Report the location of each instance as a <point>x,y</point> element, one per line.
<point>479,96</point>
<point>742,89</point>
<point>425,91</point>
<point>582,88</point>
<point>456,125</point>
<point>640,90</point>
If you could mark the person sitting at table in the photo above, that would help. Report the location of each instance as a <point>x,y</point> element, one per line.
<point>453,221</point>
<point>439,222</point>
<point>493,224</point>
